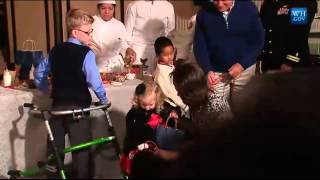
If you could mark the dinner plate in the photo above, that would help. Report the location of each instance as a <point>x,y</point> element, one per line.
<point>115,83</point>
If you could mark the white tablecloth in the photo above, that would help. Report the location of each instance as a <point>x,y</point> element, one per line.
<point>23,137</point>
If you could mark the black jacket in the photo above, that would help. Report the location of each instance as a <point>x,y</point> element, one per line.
<point>137,131</point>
<point>286,38</point>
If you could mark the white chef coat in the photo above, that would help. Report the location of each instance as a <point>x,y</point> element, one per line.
<point>145,21</point>
<point>111,37</point>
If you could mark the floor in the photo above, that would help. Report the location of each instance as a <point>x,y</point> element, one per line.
<point>106,163</point>
<point>23,133</point>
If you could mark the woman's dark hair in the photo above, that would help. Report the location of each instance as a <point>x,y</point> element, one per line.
<point>161,43</point>
<point>274,132</point>
<point>190,83</point>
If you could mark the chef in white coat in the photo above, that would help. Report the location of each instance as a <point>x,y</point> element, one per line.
<point>145,21</point>
<point>109,34</point>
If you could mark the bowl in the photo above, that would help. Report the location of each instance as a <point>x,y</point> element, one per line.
<point>120,78</point>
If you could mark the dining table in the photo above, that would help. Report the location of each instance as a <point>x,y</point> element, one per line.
<point>23,136</point>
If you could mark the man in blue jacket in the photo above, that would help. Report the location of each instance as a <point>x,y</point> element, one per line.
<point>228,38</point>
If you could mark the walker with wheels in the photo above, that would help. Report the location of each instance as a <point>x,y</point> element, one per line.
<point>43,167</point>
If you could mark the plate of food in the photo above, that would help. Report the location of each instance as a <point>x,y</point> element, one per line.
<point>116,83</point>
<point>130,76</point>
<point>120,78</point>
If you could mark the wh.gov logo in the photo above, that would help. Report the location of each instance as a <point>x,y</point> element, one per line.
<point>299,16</point>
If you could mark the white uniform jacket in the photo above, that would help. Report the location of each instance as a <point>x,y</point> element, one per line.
<point>145,21</point>
<point>163,80</point>
<point>111,37</point>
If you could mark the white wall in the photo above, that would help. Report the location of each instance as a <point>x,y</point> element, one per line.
<point>30,18</point>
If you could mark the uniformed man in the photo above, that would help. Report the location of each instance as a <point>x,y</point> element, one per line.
<point>287,26</point>
<point>145,21</point>
<point>111,38</point>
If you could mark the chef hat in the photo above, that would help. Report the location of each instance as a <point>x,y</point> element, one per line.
<point>107,2</point>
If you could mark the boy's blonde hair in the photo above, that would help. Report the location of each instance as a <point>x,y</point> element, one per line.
<point>149,87</point>
<point>76,18</point>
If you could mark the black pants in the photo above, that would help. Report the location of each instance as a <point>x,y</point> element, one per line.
<point>79,131</point>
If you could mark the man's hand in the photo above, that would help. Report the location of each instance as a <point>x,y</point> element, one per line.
<point>285,68</point>
<point>100,103</point>
<point>130,56</point>
<point>94,46</point>
<point>236,70</point>
<point>213,79</point>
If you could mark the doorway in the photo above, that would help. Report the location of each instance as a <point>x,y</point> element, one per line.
<point>4,43</point>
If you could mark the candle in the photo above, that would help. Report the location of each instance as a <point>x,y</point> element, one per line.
<point>185,25</point>
<point>180,24</point>
<point>6,78</point>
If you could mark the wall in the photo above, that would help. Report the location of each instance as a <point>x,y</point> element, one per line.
<point>51,24</point>
<point>31,20</point>
<point>91,7</point>
<point>183,8</point>
<point>30,23</point>
<point>10,35</point>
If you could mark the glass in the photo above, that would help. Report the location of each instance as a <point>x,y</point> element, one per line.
<point>86,32</point>
<point>145,68</point>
